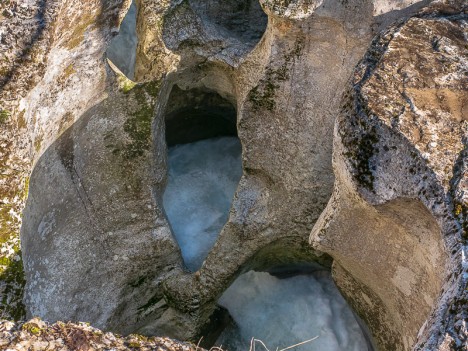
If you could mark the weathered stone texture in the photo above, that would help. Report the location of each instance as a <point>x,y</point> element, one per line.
<point>395,223</point>
<point>96,243</point>
<point>38,335</point>
<point>51,52</point>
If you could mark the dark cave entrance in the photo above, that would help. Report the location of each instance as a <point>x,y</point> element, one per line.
<point>197,114</point>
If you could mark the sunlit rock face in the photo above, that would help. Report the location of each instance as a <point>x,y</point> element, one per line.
<point>52,70</point>
<point>203,177</point>
<point>400,162</point>
<point>282,312</point>
<point>297,9</point>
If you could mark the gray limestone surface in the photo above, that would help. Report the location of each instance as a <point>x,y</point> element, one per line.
<point>95,240</point>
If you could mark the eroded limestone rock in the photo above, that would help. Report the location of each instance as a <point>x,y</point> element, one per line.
<point>96,243</point>
<point>395,225</point>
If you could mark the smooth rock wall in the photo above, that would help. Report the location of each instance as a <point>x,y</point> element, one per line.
<point>395,224</point>
<point>95,210</point>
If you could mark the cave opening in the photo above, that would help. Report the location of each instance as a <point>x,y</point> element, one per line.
<point>290,305</point>
<point>122,48</point>
<point>204,169</point>
<point>281,301</point>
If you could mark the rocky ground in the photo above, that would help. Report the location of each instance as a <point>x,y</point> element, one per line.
<point>37,335</point>
<point>395,224</point>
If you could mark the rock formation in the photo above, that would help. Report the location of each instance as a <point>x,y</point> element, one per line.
<point>395,224</point>
<point>95,240</point>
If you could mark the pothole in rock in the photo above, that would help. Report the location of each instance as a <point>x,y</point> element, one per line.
<point>222,29</point>
<point>243,20</point>
<point>204,169</point>
<point>122,48</point>
<point>284,309</point>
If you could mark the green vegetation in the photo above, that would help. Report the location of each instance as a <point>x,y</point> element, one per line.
<point>138,126</point>
<point>11,266</point>
<point>4,116</point>
<point>127,85</point>
<point>7,221</point>
<point>32,328</point>
<point>12,281</point>
<point>263,96</point>
<point>79,31</point>
<point>25,192</point>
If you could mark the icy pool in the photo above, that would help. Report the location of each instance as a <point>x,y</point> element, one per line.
<point>284,312</point>
<point>203,177</point>
<point>122,48</point>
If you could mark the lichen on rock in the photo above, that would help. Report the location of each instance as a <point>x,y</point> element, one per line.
<point>399,160</point>
<point>36,334</point>
<point>384,194</point>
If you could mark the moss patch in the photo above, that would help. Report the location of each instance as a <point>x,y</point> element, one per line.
<point>79,31</point>
<point>11,266</point>
<point>4,116</point>
<point>357,128</point>
<point>138,125</point>
<point>125,84</point>
<point>12,286</point>
<point>263,96</point>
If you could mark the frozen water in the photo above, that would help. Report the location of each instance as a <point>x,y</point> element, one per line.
<point>203,177</point>
<point>122,48</point>
<point>284,312</point>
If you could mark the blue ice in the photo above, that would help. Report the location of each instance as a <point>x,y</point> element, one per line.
<point>203,177</point>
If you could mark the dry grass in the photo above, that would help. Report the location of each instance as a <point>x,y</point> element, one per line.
<point>254,341</point>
